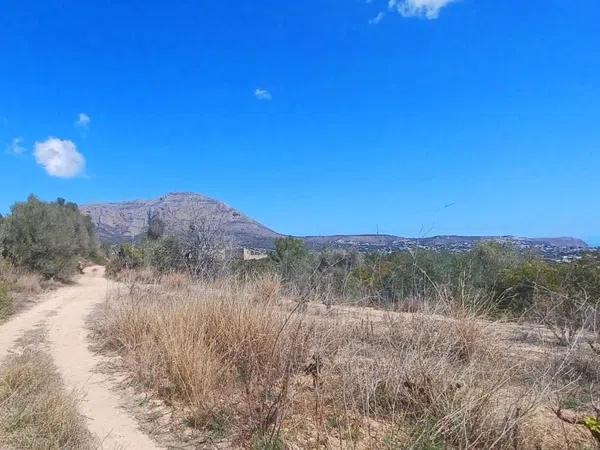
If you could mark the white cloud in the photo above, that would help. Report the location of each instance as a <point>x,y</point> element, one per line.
<point>262,94</point>
<point>429,9</point>
<point>16,146</point>
<point>83,120</point>
<point>378,18</point>
<point>59,158</point>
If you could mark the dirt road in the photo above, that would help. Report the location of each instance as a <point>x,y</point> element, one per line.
<point>63,312</point>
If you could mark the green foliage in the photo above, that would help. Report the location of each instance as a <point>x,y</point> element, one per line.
<point>219,424</point>
<point>334,273</point>
<point>156,228</point>
<point>516,286</point>
<point>592,424</point>
<point>47,237</point>
<point>494,277</point>
<point>488,260</point>
<point>402,274</point>
<point>584,275</point>
<point>266,442</point>
<point>511,280</point>
<point>291,257</point>
<point>125,257</point>
<point>165,254</point>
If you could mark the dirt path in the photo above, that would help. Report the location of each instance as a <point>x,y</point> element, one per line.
<point>64,313</point>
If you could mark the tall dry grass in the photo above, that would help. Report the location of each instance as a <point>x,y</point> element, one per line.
<point>35,410</point>
<point>256,369</point>
<point>220,350</point>
<point>18,287</point>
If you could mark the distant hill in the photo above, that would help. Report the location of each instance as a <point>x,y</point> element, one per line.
<point>127,221</point>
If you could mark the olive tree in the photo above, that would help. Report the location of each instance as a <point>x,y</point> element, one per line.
<point>47,237</point>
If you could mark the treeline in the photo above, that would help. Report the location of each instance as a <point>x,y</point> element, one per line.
<point>496,277</point>
<point>47,238</point>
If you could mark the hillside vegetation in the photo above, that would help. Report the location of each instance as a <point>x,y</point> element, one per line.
<point>492,348</point>
<point>497,280</point>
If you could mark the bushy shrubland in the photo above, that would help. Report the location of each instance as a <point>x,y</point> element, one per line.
<point>47,238</point>
<point>202,251</point>
<point>497,277</point>
<point>240,354</point>
<point>327,275</point>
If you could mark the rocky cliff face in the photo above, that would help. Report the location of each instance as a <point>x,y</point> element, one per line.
<point>127,221</point>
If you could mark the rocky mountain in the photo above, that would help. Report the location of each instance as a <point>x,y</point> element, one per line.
<point>127,221</point>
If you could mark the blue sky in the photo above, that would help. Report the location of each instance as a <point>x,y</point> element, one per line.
<point>412,117</point>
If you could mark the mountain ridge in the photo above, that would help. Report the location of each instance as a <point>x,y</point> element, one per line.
<point>127,221</point>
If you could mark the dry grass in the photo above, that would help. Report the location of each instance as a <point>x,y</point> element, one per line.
<point>221,351</point>
<point>252,369</point>
<point>28,284</point>
<point>35,411</point>
<point>18,287</point>
<point>175,280</point>
<point>139,276</point>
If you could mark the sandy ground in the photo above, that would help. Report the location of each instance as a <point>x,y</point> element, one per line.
<point>64,312</point>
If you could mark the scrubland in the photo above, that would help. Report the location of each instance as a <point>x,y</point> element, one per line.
<point>241,364</point>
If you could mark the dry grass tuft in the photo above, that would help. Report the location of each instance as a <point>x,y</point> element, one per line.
<point>214,349</point>
<point>28,284</point>
<point>267,288</point>
<point>137,276</point>
<point>35,411</point>
<point>175,280</point>
<point>18,287</point>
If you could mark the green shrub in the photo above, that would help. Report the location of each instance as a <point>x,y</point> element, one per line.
<point>125,257</point>
<point>165,254</point>
<point>291,258</point>
<point>516,286</point>
<point>47,238</point>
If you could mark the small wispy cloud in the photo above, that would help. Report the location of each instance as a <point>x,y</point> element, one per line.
<point>16,146</point>
<point>378,18</point>
<point>429,9</point>
<point>59,158</point>
<point>83,120</point>
<point>262,94</point>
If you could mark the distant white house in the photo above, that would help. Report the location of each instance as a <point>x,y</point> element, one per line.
<point>249,254</point>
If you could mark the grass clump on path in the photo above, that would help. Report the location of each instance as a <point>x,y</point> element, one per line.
<point>35,410</point>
